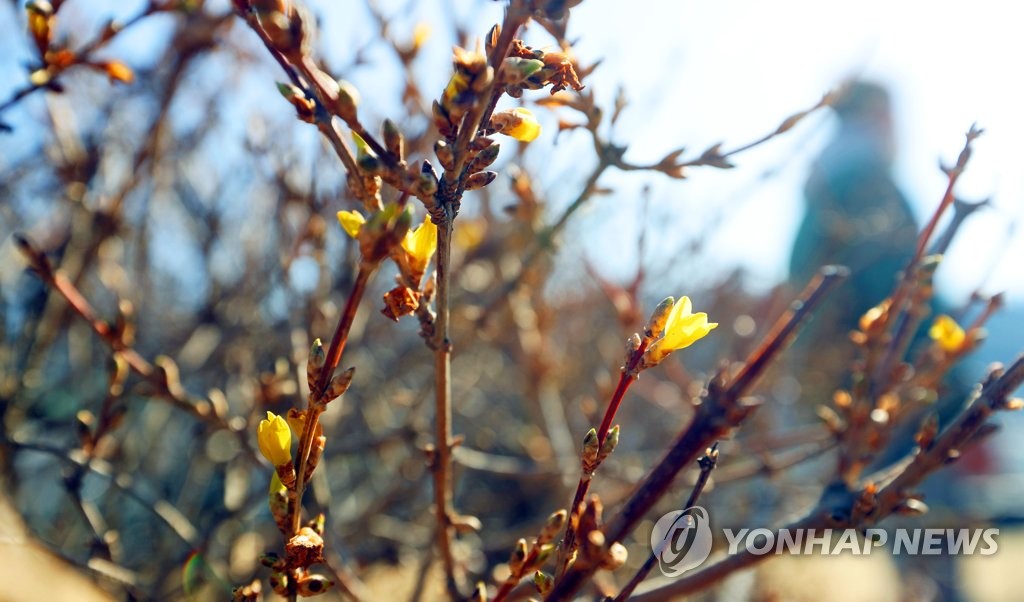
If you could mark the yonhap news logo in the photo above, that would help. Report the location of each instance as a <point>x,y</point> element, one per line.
<point>681,540</point>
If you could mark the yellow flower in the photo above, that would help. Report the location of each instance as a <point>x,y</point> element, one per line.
<point>682,329</point>
<point>420,34</point>
<point>351,222</point>
<point>275,439</point>
<point>420,245</point>
<point>518,123</point>
<point>947,333</point>
<point>276,486</point>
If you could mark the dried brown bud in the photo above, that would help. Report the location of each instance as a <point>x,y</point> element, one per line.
<point>304,549</point>
<point>400,301</point>
<point>286,472</point>
<point>316,451</point>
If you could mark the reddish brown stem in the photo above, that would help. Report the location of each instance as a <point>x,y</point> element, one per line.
<point>316,404</point>
<point>66,289</point>
<point>626,378</point>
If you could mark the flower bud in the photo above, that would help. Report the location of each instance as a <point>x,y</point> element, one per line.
<point>615,557</point>
<point>591,446</point>
<point>518,557</point>
<point>515,69</point>
<point>480,179</point>
<point>484,158</point>
<point>317,356</point>
<point>543,582</point>
<point>347,103</point>
<point>339,384</point>
<point>552,527</point>
<point>393,139</point>
<point>610,441</point>
<point>304,107</point>
<point>656,324</point>
<point>275,439</point>
<point>518,123</point>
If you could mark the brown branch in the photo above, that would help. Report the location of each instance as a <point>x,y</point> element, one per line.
<point>611,156</point>
<point>83,55</point>
<point>440,462</point>
<point>720,409</point>
<point>900,308</point>
<point>317,404</point>
<point>54,278</point>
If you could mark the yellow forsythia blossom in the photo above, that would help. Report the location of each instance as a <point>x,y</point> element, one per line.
<point>275,439</point>
<point>420,244</point>
<point>276,486</point>
<point>947,333</point>
<point>351,222</point>
<point>420,34</point>
<point>521,124</point>
<point>682,329</point>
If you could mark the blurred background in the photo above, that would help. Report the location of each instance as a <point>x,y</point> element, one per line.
<point>193,193</point>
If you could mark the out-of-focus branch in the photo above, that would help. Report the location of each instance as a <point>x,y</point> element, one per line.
<point>166,384</point>
<point>877,499</point>
<point>880,363</point>
<point>610,155</point>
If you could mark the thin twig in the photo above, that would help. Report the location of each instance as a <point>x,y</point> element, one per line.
<point>201,409</point>
<point>707,463</point>
<point>316,405</point>
<point>82,56</point>
<point>899,312</point>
